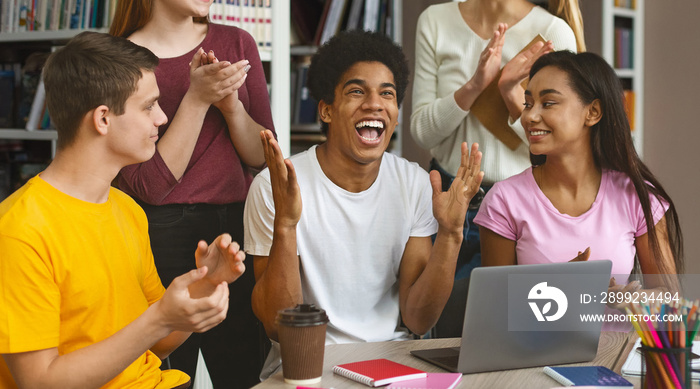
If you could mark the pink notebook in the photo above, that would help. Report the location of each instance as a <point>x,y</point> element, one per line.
<point>431,381</point>
<point>377,372</point>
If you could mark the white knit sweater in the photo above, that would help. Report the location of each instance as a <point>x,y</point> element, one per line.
<point>447,54</point>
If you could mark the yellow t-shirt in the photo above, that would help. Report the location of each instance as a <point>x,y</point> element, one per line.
<point>73,273</point>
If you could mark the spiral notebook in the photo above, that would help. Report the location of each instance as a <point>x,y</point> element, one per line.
<point>431,381</point>
<point>377,372</point>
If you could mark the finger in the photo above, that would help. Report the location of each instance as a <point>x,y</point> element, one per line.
<point>211,58</point>
<point>223,241</point>
<point>183,281</point>
<point>436,182</point>
<point>612,282</point>
<point>291,173</point>
<point>196,59</point>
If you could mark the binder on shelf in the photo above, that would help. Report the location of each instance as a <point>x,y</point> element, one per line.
<point>304,106</point>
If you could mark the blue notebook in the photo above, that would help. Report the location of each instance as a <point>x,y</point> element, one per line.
<point>587,376</point>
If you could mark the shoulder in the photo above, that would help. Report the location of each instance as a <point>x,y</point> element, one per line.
<point>403,167</point>
<point>518,182</point>
<point>436,14</point>
<point>227,34</point>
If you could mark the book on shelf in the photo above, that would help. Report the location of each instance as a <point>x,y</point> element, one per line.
<point>36,113</point>
<point>304,107</point>
<point>629,106</point>
<point>333,20</point>
<point>354,15</point>
<point>306,16</point>
<point>7,91</point>
<point>254,16</point>
<point>377,372</point>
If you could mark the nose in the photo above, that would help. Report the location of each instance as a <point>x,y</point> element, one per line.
<point>373,102</point>
<point>160,118</point>
<point>531,115</point>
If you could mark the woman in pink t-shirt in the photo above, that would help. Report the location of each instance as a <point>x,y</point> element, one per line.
<point>587,191</point>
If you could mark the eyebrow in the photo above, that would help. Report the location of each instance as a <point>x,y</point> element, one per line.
<point>152,100</point>
<point>363,83</point>
<point>543,92</point>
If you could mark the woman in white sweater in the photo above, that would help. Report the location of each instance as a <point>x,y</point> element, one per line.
<point>460,48</point>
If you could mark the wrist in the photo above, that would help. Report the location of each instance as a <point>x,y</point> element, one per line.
<point>454,234</point>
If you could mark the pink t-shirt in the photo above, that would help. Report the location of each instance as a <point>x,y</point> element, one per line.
<point>517,209</point>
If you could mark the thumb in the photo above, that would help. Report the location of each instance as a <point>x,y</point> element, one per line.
<point>190,277</point>
<point>436,182</point>
<point>196,59</point>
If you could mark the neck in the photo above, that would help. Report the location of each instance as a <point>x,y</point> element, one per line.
<point>83,175</point>
<point>169,36</point>
<point>348,174</point>
<point>571,173</point>
<point>492,12</point>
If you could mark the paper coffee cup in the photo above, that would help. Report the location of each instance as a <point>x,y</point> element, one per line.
<point>302,338</point>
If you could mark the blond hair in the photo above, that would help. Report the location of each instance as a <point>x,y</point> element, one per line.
<point>571,13</point>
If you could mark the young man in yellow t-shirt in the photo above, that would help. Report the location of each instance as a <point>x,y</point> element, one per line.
<point>83,305</point>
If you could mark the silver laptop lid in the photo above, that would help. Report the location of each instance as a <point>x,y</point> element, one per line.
<point>531,315</point>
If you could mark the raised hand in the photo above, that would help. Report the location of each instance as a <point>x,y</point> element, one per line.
<point>518,68</point>
<point>223,257</point>
<point>181,311</point>
<point>283,179</point>
<point>450,207</point>
<point>490,59</point>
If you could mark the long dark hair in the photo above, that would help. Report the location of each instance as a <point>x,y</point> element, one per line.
<point>592,78</point>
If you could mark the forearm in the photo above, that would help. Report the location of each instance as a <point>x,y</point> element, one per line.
<point>428,295</point>
<point>177,144</point>
<point>279,284</point>
<point>245,135</point>
<point>514,99</point>
<point>89,367</point>
<point>167,345</point>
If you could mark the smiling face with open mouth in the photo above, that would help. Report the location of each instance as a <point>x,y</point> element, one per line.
<point>364,113</point>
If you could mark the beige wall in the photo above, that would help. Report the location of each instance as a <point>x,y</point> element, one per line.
<point>672,84</point>
<point>671,130</point>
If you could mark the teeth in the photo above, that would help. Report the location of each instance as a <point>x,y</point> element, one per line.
<point>536,133</point>
<point>370,123</point>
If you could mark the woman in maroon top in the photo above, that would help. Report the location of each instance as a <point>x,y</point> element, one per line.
<point>213,90</point>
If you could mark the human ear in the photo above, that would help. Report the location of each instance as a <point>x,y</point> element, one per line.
<point>101,119</point>
<point>324,111</point>
<point>594,113</point>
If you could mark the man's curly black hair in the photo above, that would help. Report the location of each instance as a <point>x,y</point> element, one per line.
<point>346,49</point>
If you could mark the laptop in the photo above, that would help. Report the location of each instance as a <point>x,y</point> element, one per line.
<point>526,316</point>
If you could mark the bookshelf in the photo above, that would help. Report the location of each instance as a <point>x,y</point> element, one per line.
<point>615,30</point>
<point>309,27</point>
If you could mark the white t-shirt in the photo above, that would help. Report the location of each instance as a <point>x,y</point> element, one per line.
<point>350,244</point>
<point>447,55</point>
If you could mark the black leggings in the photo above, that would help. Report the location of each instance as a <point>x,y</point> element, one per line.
<point>235,350</point>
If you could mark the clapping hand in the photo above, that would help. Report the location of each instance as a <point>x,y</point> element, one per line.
<point>490,59</point>
<point>283,179</point>
<point>450,207</point>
